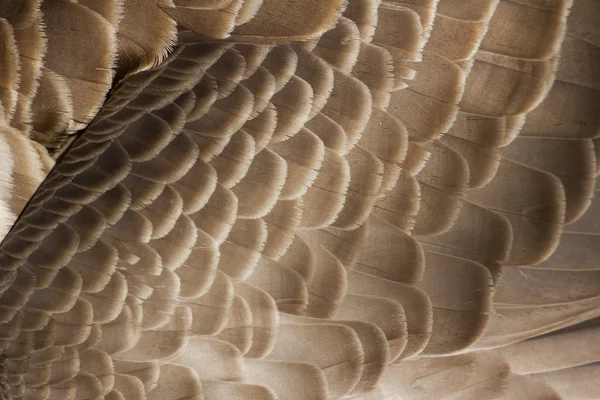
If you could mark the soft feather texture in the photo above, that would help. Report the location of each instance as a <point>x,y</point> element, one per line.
<point>302,199</point>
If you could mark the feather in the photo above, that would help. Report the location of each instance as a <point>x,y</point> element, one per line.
<point>339,47</point>
<point>139,49</point>
<point>539,43</point>
<point>214,390</point>
<point>340,356</point>
<point>176,382</point>
<point>309,381</point>
<point>212,359</point>
<point>416,304</point>
<point>303,154</point>
<point>290,20</point>
<point>438,376</point>
<point>210,310</point>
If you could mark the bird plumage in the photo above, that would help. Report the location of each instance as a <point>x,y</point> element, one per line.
<point>271,199</point>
